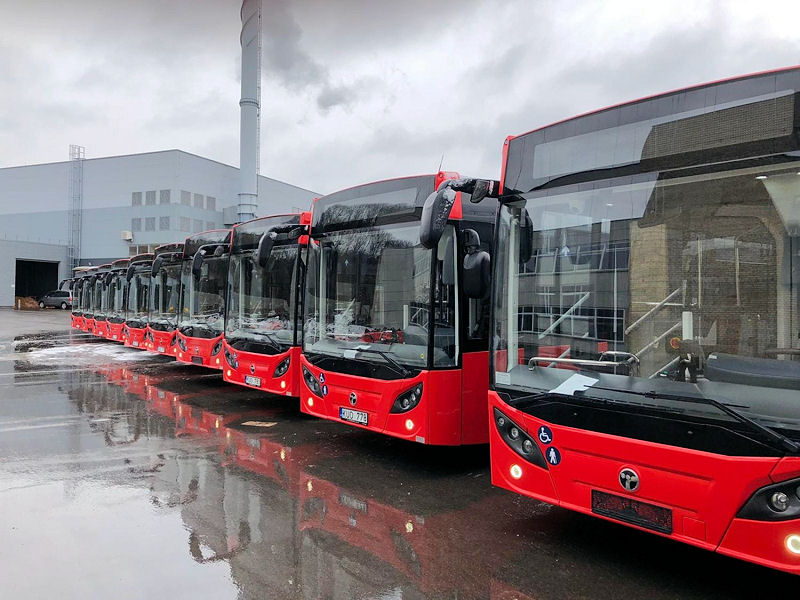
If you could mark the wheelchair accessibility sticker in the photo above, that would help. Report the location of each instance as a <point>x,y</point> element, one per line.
<point>545,435</point>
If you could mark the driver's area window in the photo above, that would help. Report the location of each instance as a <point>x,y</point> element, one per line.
<point>445,301</point>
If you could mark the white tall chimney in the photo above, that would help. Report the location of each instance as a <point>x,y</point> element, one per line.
<point>250,106</point>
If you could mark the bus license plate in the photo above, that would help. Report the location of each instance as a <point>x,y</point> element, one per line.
<point>135,343</point>
<point>113,337</point>
<point>354,416</point>
<point>160,348</point>
<point>254,381</point>
<point>632,511</point>
<point>198,360</point>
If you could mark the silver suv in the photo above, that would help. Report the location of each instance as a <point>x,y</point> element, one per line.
<point>57,299</point>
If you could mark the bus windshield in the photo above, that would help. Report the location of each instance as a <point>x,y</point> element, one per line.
<point>203,298</point>
<point>679,286</point>
<point>117,297</point>
<point>86,297</point>
<point>261,313</point>
<point>138,298</point>
<point>164,297</point>
<point>369,293</point>
<point>100,299</point>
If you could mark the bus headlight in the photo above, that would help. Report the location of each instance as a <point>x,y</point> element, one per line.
<point>516,439</point>
<point>311,382</point>
<point>407,400</point>
<point>776,502</point>
<point>217,347</point>
<point>230,358</point>
<point>282,367</point>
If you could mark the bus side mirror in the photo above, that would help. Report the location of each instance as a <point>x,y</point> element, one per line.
<point>197,262</point>
<point>434,216</point>
<point>156,267</point>
<point>525,237</point>
<point>107,278</point>
<point>265,245</point>
<point>484,188</point>
<point>129,273</point>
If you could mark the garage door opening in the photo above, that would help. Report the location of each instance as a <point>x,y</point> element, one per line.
<point>35,277</point>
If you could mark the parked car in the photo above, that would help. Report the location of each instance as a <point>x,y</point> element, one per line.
<point>57,299</point>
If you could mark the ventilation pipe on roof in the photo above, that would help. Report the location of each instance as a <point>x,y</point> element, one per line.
<point>250,105</point>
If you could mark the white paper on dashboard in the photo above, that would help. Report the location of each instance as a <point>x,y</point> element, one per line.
<point>576,383</point>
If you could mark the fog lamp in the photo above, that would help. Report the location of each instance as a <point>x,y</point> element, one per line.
<point>228,373</point>
<point>310,401</point>
<point>409,424</point>
<point>793,543</point>
<point>779,501</point>
<point>217,361</point>
<point>516,471</point>
<point>283,385</point>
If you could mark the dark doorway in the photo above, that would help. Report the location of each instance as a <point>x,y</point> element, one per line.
<point>35,277</point>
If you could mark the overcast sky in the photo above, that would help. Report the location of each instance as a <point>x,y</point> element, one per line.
<point>355,91</point>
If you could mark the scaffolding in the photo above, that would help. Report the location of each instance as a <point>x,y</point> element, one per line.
<point>76,157</point>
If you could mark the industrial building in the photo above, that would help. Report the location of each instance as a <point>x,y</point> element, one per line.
<point>92,211</point>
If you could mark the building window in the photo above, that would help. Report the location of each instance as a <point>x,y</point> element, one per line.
<point>210,225</point>
<point>163,224</point>
<point>136,199</point>
<point>186,198</point>
<point>132,251</point>
<point>150,224</point>
<point>143,249</point>
<point>197,226</point>
<point>150,197</point>
<point>198,200</point>
<point>211,203</point>
<point>164,197</point>
<point>186,224</point>
<point>136,224</point>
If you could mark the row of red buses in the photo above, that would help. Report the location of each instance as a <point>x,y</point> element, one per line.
<point>646,316</point>
<point>643,313</point>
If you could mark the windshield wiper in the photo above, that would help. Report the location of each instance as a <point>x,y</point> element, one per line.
<point>274,343</point>
<point>782,442</point>
<point>385,356</point>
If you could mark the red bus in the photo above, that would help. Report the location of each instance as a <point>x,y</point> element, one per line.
<point>646,316</point>
<point>394,341</point>
<point>97,319</point>
<point>117,290</point>
<point>201,321</point>
<point>80,276</point>
<point>138,300</point>
<point>264,307</point>
<point>165,299</point>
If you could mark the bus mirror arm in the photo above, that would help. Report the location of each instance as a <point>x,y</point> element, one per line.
<point>265,245</point>
<point>157,262</point>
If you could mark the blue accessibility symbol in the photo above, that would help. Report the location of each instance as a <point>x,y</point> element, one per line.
<point>553,455</point>
<point>324,390</point>
<point>322,377</point>
<point>545,435</point>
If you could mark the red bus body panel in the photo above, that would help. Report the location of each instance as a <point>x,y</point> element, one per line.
<point>115,332</point>
<point>160,343</point>
<point>442,417</point>
<point>198,352</point>
<point>102,329</point>
<point>135,337</point>
<point>87,325</point>
<point>703,491</point>
<point>263,366</point>
<point>77,322</point>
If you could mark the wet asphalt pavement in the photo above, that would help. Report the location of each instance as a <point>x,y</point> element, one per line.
<point>126,475</point>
